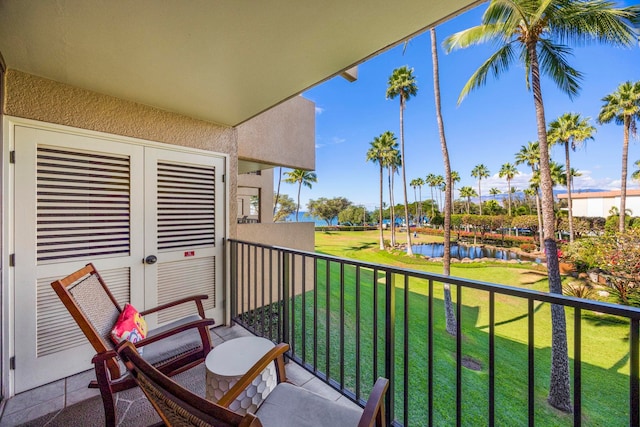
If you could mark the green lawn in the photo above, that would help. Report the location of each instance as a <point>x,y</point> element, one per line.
<point>604,351</point>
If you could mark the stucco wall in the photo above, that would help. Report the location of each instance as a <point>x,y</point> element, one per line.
<point>293,235</point>
<point>263,182</point>
<point>36,98</point>
<point>283,135</point>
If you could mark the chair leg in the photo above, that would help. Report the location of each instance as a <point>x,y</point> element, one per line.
<point>106,393</point>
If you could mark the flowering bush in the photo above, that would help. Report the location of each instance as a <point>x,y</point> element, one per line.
<point>618,257</point>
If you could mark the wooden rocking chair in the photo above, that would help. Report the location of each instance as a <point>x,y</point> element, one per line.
<point>286,406</point>
<point>172,348</point>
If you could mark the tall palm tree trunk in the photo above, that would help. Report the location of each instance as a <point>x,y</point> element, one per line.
<point>432,203</point>
<point>480,195</point>
<point>404,179</point>
<point>559,386</point>
<point>539,215</point>
<point>420,205</point>
<point>569,202</point>
<point>509,189</point>
<point>415,201</point>
<point>298,205</point>
<point>623,184</point>
<point>381,216</point>
<point>275,202</point>
<point>392,211</point>
<point>446,261</point>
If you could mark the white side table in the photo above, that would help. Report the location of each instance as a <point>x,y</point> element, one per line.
<point>229,361</point>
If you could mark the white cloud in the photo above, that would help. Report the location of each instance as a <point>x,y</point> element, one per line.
<point>319,110</point>
<point>333,141</point>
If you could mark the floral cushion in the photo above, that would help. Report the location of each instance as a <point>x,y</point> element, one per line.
<point>129,326</point>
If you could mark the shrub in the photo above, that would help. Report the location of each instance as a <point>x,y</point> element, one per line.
<point>528,247</point>
<point>579,290</point>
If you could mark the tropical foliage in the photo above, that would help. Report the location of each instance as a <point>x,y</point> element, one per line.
<point>301,177</point>
<point>402,84</point>
<point>623,107</point>
<point>327,209</point>
<point>571,131</point>
<point>533,33</point>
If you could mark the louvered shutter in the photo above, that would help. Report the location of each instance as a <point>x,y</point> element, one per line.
<point>83,205</point>
<point>186,206</point>
<point>186,218</point>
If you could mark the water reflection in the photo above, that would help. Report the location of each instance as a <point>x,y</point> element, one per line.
<point>436,250</point>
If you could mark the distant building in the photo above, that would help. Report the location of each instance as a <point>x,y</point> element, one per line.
<point>598,204</point>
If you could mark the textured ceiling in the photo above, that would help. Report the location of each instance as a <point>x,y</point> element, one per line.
<point>223,61</point>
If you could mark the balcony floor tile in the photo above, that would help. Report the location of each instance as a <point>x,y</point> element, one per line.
<point>70,403</point>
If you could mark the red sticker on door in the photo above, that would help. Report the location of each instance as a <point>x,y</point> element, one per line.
<point>189,253</point>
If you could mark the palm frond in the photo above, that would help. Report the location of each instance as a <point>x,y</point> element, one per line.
<point>542,11</point>
<point>506,13</point>
<point>553,63</point>
<point>496,64</point>
<point>585,22</point>
<point>473,36</point>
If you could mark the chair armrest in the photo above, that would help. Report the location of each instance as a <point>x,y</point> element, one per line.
<point>373,413</point>
<point>195,298</point>
<point>105,355</point>
<point>275,353</point>
<point>195,324</point>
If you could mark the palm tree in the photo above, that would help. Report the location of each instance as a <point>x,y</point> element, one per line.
<point>420,183</point>
<point>431,182</point>
<point>402,83</point>
<point>570,130</point>
<point>394,162</point>
<point>414,184</point>
<point>508,171</point>
<point>524,31</point>
<point>574,174</point>
<point>530,154</point>
<point>277,198</point>
<point>623,106</point>
<point>532,192</point>
<point>455,178</point>
<point>302,177</point>
<point>494,191</point>
<point>378,153</point>
<point>448,184</point>
<point>480,171</point>
<point>438,182</point>
<point>468,192</point>
<point>636,175</point>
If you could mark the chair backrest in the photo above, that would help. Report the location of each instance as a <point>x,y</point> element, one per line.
<point>92,306</point>
<point>176,405</point>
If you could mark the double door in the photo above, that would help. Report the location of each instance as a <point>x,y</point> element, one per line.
<point>150,218</point>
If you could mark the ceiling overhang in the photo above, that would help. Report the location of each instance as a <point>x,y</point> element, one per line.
<point>219,61</point>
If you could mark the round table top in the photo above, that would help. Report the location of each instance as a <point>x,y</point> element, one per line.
<point>235,357</point>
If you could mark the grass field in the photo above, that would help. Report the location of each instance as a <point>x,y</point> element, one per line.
<point>604,347</point>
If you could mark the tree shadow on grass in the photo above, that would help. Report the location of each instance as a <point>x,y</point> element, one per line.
<point>515,319</point>
<point>363,246</point>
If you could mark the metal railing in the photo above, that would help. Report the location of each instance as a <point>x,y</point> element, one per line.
<point>349,322</point>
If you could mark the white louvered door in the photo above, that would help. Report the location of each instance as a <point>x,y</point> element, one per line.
<point>184,220</point>
<point>81,199</point>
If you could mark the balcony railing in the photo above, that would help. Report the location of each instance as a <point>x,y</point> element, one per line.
<point>349,322</point>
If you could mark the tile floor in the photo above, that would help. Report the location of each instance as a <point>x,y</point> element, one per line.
<point>68,402</point>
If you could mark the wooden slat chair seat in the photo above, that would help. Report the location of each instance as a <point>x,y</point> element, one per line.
<point>171,348</point>
<point>286,406</point>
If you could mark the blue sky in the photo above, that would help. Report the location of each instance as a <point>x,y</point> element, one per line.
<point>488,127</point>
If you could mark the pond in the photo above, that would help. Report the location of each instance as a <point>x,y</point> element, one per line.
<point>436,250</point>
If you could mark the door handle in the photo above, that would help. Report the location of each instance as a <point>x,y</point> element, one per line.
<point>151,259</point>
